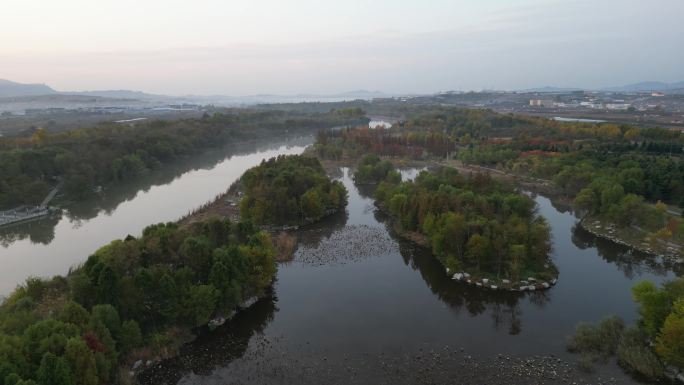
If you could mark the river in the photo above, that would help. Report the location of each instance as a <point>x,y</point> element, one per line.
<point>51,246</point>
<point>358,305</point>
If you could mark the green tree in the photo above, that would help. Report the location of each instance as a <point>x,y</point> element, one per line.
<point>81,360</point>
<point>586,200</point>
<point>75,314</point>
<point>54,370</point>
<point>670,341</point>
<point>201,303</point>
<point>131,336</point>
<point>654,306</point>
<point>312,205</point>
<point>109,317</point>
<point>477,249</point>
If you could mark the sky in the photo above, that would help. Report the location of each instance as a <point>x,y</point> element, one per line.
<point>235,47</point>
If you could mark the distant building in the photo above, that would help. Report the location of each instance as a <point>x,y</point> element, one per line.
<point>617,106</point>
<point>657,94</point>
<point>541,103</point>
<point>590,104</point>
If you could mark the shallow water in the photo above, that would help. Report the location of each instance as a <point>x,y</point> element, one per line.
<point>356,301</point>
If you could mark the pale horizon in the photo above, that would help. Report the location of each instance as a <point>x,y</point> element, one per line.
<point>208,47</point>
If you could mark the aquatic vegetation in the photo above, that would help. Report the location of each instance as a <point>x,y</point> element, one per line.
<point>661,312</point>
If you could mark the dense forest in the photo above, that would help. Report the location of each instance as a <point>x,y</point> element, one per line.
<point>647,348</point>
<point>620,174</point>
<point>112,153</point>
<point>473,223</point>
<point>289,190</point>
<point>133,299</point>
<point>373,170</point>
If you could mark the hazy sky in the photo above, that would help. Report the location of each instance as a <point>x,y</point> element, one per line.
<point>238,47</point>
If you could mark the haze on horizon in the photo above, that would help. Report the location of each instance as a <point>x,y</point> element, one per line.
<point>304,46</point>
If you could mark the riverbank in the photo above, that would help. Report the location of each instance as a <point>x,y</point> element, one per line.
<point>633,238</point>
<point>264,361</point>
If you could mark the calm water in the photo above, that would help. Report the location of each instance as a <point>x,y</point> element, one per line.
<point>353,293</point>
<point>51,246</point>
<point>356,296</point>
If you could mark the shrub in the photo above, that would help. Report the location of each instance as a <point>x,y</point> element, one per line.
<point>601,340</point>
<point>634,353</point>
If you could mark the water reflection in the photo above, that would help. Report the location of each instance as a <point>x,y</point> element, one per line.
<point>214,349</point>
<point>41,231</point>
<point>49,247</point>
<point>312,235</point>
<point>503,307</point>
<point>632,263</point>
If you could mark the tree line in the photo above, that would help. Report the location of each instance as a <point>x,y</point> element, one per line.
<point>617,173</point>
<point>113,153</point>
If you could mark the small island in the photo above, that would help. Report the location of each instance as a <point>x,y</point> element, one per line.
<point>482,230</point>
<point>290,190</point>
<point>371,170</point>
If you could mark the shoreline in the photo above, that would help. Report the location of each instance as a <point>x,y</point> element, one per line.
<point>596,225</point>
<point>473,278</point>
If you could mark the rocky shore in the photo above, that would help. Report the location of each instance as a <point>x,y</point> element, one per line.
<point>529,284</point>
<point>601,230</point>
<point>265,361</point>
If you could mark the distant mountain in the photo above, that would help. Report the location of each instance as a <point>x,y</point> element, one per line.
<point>117,94</point>
<point>551,89</point>
<point>647,87</point>
<point>10,89</point>
<point>13,89</point>
<point>362,94</point>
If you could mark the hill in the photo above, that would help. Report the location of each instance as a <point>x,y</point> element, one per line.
<point>13,89</point>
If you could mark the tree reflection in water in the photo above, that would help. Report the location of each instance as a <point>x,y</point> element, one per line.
<point>40,231</point>
<point>632,263</point>
<point>214,349</point>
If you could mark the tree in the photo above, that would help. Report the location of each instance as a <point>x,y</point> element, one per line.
<point>477,249</point>
<point>610,196</point>
<point>586,200</point>
<point>75,314</point>
<point>109,317</point>
<point>81,360</point>
<point>312,205</point>
<point>196,252</point>
<point>131,336</point>
<point>670,341</point>
<point>654,306</point>
<point>201,303</point>
<point>168,301</point>
<point>54,371</point>
<point>107,285</point>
